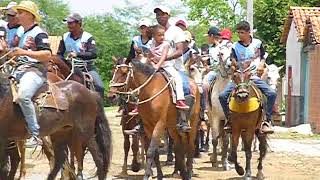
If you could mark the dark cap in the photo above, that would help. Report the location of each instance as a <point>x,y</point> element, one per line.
<point>214,31</point>
<point>75,17</point>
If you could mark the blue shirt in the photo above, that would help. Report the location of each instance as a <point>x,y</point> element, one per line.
<point>137,40</point>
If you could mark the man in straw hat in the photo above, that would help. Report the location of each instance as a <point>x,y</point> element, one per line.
<point>35,50</point>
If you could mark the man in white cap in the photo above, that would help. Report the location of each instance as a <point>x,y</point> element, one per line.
<point>80,44</point>
<point>32,74</point>
<point>176,37</point>
<point>14,30</point>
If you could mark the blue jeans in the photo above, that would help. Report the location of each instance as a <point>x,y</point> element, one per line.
<point>264,88</point>
<point>211,76</point>
<point>97,82</point>
<point>30,82</point>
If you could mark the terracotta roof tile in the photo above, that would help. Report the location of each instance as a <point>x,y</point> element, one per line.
<point>315,28</point>
<point>298,15</point>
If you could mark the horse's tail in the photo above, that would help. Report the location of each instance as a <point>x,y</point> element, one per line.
<point>103,135</point>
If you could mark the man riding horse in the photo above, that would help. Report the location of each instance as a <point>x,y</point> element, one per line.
<point>249,49</point>
<point>32,74</point>
<point>80,44</point>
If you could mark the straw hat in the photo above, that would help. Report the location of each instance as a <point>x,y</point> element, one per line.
<point>29,6</point>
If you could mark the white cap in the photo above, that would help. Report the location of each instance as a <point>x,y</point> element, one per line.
<point>163,9</point>
<point>144,22</point>
<point>11,4</point>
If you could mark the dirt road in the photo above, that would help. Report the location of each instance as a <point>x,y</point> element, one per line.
<point>289,159</point>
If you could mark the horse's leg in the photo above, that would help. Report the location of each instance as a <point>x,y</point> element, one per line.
<point>59,145</point>
<point>126,148</point>
<point>158,165</point>
<point>263,151</point>
<point>225,145</point>
<point>78,151</point>
<point>97,157</point>
<point>14,161</point>
<point>135,165</point>
<point>197,143</point>
<point>234,147</point>
<point>22,151</point>
<point>206,146</point>
<point>170,150</point>
<point>154,145</point>
<point>215,139</point>
<point>190,153</point>
<point>247,141</point>
<point>142,150</point>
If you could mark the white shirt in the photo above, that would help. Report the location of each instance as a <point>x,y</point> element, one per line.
<point>175,35</point>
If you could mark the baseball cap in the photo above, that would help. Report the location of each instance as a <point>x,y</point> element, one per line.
<point>73,17</point>
<point>144,22</point>
<point>163,9</point>
<point>182,22</point>
<point>226,34</point>
<point>214,31</point>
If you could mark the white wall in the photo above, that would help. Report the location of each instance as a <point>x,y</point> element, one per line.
<point>293,58</point>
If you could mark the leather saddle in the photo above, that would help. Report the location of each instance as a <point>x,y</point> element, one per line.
<point>48,95</point>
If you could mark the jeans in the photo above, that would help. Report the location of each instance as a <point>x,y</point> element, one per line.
<point>264,88</point>
<point>30,82</point>
<point>97,82</point>
<point>211,76</point>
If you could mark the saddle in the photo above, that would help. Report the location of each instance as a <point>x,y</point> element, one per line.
<point>251,105</point>
<point>48,95</point>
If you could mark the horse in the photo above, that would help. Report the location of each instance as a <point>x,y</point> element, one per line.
<point>91,127</point>
<point>158,112</point>
<point>246,117</point>
<point>128,122</point>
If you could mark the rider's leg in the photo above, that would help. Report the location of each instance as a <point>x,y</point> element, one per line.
<point>29,84</point>
<point>223,98</point>
<point>98,83</point>
<point>271,99</point>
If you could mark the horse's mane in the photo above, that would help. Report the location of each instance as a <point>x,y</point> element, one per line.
<point>145,68</point>
<point>4,85</point>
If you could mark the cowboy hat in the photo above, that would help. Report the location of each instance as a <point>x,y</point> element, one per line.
<point>30,7</point>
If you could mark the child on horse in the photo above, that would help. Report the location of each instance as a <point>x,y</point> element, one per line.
<point>249,49</point>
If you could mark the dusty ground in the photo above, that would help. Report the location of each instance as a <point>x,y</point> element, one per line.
<point>289,159</point>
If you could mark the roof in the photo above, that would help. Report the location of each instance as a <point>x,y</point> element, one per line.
<point>54,43</point>
<point>300,16</point>
<point>314,29</point>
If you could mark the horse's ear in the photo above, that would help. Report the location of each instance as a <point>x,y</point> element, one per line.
<point>114,59</point>
<point>279,68</point>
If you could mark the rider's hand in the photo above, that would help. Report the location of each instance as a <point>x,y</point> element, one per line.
<point>72,55</point>
<point>157,67</point>
<point>30,44</point>
<point>138,50</point>
<point>18,52</point>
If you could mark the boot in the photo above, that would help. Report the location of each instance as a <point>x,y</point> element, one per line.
<point>134,112</point>
<point>181,104</point>
<point>138,129</point>
<point>182,124</point>
<point>33,142</point>
<point>266,127</point>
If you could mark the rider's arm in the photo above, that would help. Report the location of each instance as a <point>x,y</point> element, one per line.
<point>61,49</point>
<point>132,53</point>
<point>91,51</point>
<point>42,50</point>
<point>177,53</point>
<point>164,55</point>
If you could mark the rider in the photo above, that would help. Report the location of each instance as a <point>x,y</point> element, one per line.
<point>176,38</point>
<point>14,30</point>
<point>249,49</point>
<point>31,75</point>
<point>80,44</point>
<point>140,44</point>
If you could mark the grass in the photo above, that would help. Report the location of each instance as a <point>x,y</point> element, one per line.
<point>294,136</point>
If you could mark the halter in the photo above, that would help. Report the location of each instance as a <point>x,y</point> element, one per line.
<point>126,82</point>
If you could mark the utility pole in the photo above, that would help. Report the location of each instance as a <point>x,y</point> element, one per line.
<point>250,14</point>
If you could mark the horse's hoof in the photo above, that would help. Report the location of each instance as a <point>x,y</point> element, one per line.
<point>226,167</point>
<point>79,177</point>
<point>124,174</point>
<point>135,166</point>
<point>213,160</point>
<point>146,178</point>
<point>197,155</point>
<point>247,178</point>
<point>240,170</point>
<point>260,175</point>
<point>176,175</point>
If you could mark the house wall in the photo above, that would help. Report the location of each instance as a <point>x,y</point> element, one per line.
<point>293,59</point>
<point>314,89</point>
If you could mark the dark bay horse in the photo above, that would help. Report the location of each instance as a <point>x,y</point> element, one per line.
<point>246,117</point>
<point>85,117</point>
<point>158,113</point>
<point>128,122</point>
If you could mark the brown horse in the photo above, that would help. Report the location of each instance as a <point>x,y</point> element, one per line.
<point>246,117</point>
<point>158,113</point>
<point>128,122</point>
<point>85,116</point>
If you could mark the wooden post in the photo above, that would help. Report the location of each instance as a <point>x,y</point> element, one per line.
<point>289,100</point>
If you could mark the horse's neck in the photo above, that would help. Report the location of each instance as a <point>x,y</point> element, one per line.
<point>139,77</point>
<point>64,68</point>
<point>254,91</point>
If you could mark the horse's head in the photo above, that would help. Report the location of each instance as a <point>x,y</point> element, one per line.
<point>120,80</point>
<point>195,67</point>
<point>273,75</point>
<point>241,78</point>
<point>224,59</point>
